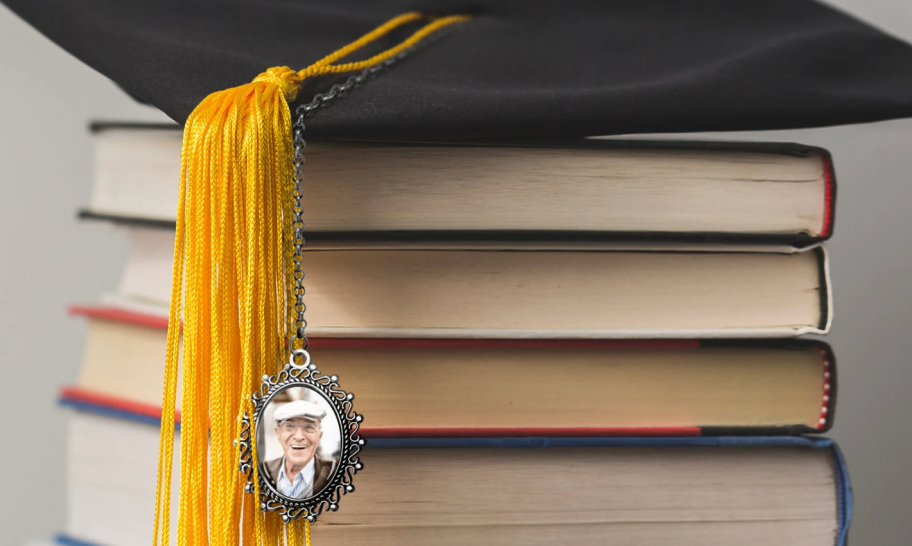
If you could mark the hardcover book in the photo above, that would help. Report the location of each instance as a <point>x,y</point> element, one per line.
<point>511,491</point>
<point>579,189</point>
<point>491,289</point>
<point>529,387</point>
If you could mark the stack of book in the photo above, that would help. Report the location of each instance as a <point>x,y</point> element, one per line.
<point>630,305</point>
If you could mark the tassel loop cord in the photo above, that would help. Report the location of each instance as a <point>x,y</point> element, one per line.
<point>289,82</point>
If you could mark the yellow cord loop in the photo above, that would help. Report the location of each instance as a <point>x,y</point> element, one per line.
<point>233,292</point>
<point>325,66</point>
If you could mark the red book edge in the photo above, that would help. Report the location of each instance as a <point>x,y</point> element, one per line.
<point>117,314</point>
<point>90,398</point>
<point>829,196</point>
<point>825,419</point>
<point>93,398</point>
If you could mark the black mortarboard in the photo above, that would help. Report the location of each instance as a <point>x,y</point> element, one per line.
<point>522,68</point>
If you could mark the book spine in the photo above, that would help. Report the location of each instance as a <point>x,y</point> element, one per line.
<point>792,239</point>
<point>844,495</point>
<point>824,290</point>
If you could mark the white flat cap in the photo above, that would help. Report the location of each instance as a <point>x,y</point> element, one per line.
<point>300,408</point>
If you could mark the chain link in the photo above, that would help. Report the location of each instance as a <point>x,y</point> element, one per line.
<point>321,100</point>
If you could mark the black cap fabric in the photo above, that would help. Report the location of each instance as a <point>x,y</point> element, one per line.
<point>526,68</point>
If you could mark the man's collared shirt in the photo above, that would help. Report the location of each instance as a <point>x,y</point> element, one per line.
<point>302,486</point>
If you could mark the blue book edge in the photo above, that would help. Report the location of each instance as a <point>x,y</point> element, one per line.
<point>840,470</point>
<point>65,540</point>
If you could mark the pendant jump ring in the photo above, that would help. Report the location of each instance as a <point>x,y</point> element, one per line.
<point>292,339</point>
<point>296,353</point>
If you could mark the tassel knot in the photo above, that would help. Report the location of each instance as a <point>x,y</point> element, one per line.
<point>286,79</point>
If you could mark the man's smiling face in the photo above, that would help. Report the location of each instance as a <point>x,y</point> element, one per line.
<point>299,438</point>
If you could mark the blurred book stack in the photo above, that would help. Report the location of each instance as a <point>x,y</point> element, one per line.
<point>630,305</point>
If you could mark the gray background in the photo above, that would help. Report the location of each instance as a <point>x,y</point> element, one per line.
<point>50,260</point>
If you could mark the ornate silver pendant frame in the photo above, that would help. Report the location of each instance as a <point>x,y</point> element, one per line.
<point>325,392</point>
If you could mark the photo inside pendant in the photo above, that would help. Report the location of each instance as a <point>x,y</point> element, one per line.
<point>299,442</point>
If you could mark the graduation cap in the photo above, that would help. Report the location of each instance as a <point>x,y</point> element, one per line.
<point>534,68</point>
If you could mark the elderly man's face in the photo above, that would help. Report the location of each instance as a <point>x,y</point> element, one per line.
<point>299,438</point>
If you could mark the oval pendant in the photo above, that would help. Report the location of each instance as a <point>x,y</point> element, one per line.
<point>307,441</point>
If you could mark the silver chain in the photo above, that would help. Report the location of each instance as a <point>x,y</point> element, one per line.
<point>297,223</point>
<point>340,89</point>
<point>319,101</point>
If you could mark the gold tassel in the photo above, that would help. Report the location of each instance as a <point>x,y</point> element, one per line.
<point>232,287</point>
